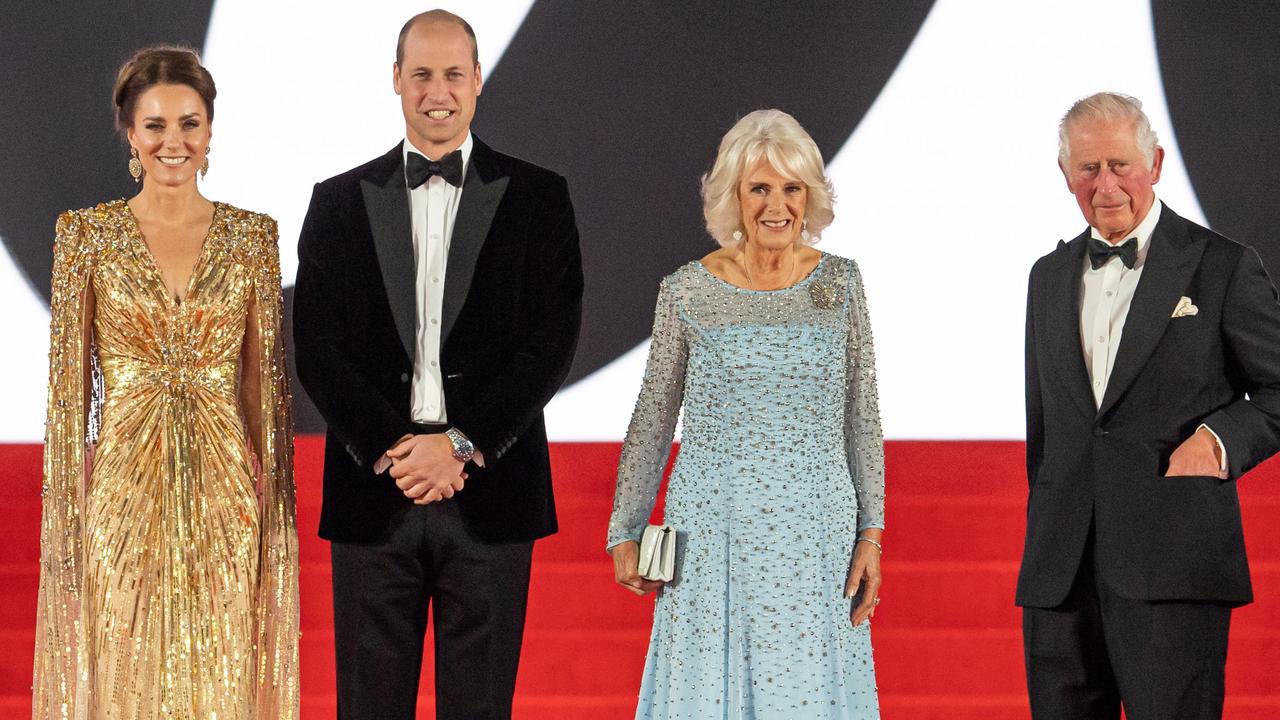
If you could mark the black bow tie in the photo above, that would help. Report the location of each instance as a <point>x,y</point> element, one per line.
<point>419,169</point>
<point>1100,252</point>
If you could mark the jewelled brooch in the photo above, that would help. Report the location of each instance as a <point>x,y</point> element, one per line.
<point>826,296</point>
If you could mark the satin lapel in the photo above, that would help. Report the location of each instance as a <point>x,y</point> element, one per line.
<point>1171,261</point>
<point>1061,340</point>
<point>481,193</point>
<point>387,203</point>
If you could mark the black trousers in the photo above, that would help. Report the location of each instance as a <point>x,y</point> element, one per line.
<point>1162,660</point>
<point>476,593</point>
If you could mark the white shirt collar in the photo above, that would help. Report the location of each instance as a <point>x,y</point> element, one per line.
<point>1143,231</point>
<point>465,147</point>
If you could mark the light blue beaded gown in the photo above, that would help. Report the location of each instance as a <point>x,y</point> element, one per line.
<point>781,463</point>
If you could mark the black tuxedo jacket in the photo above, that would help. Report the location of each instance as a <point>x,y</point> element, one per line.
<point>1157,538</point>
<point>509,326</point>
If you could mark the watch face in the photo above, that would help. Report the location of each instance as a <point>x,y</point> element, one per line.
<point>463,450</point>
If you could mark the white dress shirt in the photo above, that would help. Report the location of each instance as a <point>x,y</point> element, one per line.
<point>1105,297</point>
<point>433,207</point>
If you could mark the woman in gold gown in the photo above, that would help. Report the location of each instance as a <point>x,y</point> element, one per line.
<point>168,584</point>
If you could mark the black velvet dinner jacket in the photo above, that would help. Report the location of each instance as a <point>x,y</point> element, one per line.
<point>1157,538</point>
<point>509,327</point>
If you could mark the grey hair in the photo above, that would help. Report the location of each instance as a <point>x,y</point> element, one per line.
<point>1109,107</point>
<point>775,135</point>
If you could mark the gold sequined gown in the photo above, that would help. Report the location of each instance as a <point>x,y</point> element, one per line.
<point>169,565</point>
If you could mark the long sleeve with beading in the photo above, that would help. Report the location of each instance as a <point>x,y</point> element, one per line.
<point>653,423</point>
<point>58,688</point>
<point>277,612</point>
<point>863,435</point>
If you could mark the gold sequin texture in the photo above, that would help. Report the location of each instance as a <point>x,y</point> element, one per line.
<point>169,562</point>
<point>781,463</point>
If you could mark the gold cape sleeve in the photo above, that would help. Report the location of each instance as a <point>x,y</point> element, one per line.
<point>277,606</point>
<point>60,680</point>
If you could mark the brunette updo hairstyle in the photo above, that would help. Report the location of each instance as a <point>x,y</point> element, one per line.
<point>160,65</point>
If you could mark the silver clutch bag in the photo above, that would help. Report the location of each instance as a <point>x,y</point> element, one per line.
<point>658,553</point>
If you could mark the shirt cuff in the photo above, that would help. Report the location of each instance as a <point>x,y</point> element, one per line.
<point>1222,451</point>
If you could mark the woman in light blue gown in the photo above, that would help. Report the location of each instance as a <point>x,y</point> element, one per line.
<point>778,491</point>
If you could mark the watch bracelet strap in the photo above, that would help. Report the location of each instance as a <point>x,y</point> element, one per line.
<point>458,441</point>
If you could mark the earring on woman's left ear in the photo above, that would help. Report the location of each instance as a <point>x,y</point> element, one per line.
<point>204,168</point>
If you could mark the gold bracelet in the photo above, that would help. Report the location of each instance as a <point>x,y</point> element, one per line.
<point>869,540</point>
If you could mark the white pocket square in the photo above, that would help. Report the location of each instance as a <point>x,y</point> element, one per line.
<point>1185,308</point>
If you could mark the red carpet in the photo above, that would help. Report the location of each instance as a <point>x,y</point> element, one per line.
<point>947,636</point>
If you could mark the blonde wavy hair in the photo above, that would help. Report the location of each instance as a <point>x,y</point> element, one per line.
<point>775,135</point>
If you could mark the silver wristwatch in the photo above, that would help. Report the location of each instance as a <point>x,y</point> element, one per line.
<point>463,450</point>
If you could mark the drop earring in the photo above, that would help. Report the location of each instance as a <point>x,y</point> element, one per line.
<point>804,231</point>
<point>204,168</point>
<point>135,165</point>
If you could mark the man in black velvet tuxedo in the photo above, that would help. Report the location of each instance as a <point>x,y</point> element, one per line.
<point>437,309</point>
<point>1153,385</point>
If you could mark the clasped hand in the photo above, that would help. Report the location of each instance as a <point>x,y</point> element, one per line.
<point>425,470</point>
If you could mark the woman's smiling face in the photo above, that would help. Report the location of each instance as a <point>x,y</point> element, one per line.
<point>171,133</point>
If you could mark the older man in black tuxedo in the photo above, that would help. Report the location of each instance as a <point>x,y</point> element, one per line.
<point>1153,385</point>
<point>437,309</point>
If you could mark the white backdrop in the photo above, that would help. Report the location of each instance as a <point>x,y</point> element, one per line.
<point>947,191</point>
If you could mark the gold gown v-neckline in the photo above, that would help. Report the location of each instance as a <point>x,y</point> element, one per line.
<point>156,272</point>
